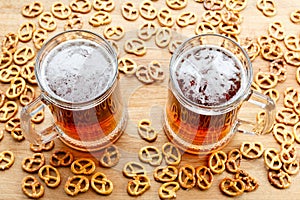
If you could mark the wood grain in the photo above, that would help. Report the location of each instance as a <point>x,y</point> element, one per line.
<point>147,101</point>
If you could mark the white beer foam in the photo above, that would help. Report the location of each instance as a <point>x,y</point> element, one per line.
<point>207,74</point>
<point>77,70</point>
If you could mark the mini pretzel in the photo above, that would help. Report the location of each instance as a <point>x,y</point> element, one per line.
<point>232,187</point>
<point>165,174</point>
<point>32,188</point>
<point>278,67</point>
<point>176,4</point>
<point>75,21</point>
<point>27,72</point>
<point>147,30</point>
<point>279,179</point>
<point>173,45</point>
<point>81,6</point>
<point>204,27</point>
<point>142,74</point>
<point>8,74</point>
<point>27,96</point>
<point>139,185</point>
<point>25,31</point>
<point>17,133</point>
<point>114,32</point>
<point>12,123</point>
<point>163,37</point>
<point>214,4</point>
<point>295,16</point>
<point>276,30</point>
<point>291,96</point>
<point>76,184</point>
<point>39,38</point>
<point>129,11</point>
<point>204,177</point>
<point>83,166</point>
<point>110,156</point>
<point>231,17</point>
<point>266,80</point>
<point>291,168</point>
<point>127,65</point>
<point>212,17</point>
<point>8,110</point>
<point>236,5</point>
<point>50,175</point>
<point>155,71</point>
<point>233,162</point>
<point>33,163</point>
<point>265,40</point>
<point>147,10</point>
<point>135,46</point>
<point>60,10</point>
<point>16,88</point>
<point>7,159</point>
<point>6,59</point>
<point>271,52</point>
<point>186,176</point>
<point>33,9</point>
<point>61,158</point>
<point>168,190</point>
<point>282,135</point>
<point>151,155</point>
<point>273,94</point>
<point>165,17</point>
<point>288,153</point>
<point>101,184</point>
<point>292,58</point>
<point>23,55</point>
<point>100,18</point>
<point>292,42</point>
<point>42,147</point>
<point>251,183</point>
<point>146,131</point>
<point>132,169</point>
<point>216,162</point>
<point>234,29</point>
<point>10,42</point>
<point>252,150</point>
<point>267,7</point>
<point>47,21</point>
<point>171,153</point>
<point>272,159</point>
<point>105,5</point>
<point>186,18</point>
<point>287,116</point>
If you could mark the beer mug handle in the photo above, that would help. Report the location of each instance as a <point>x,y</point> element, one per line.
<point>264,120</point>
<point>38,131</point>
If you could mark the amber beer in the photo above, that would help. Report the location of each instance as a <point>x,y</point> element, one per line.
<point>203,79</point>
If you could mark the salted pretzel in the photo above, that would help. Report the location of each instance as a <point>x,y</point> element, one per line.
<point>291,168</point>
<point>8,110</point>
<point>292,58</point>
<point>252,150</point>
<point>204,27</point>
<point>234,29</point>
<point>142,74</point>
<point>266,80</point>
<point>236,5</point>
<point>42,147</point>
<point>173,45</point>
<point>279,179</point>
<point>10,42</point>
<point>186,18</point>
<point>233,162</point>
<point>163,37</point>
<point>282,134</point>
<point>272,159</point>
<point>129,11</point>
<point>105,5</point>
<point>296,132</point>
<point>177,4</point>
<point>165,173</point>
<point>276,30</point>
<point>17,133</point>
<point>155,71</point>
<point>139,185</point>
<point>33,9</point>
<point>186,176</point>
<point>25,31</point>
<point>83,166</point>
<point>74,21</point>
<point>47,21</point>
<point>147,30</point>
<point>217,161</point>
<point>127,66</point>
<point>110,156</point>
<point>147,10</point>
<point>61,158</point>
<point>168,190</point>
<point>50,175</point>
<point>101,184</point>
<point>8,74</point>
<point>114,32</point>
<point>16,88</point>
<point>23,55</point>
<point>76,184</point>
<point>39,37</point>
<point>165,17</point>
<point>213,17</point>
<point>288,153</point>
<point>7,159</point>
<point>279,68</point>
<point>204,177</point>
<point>81,6</point>
<point>287,116</point>
<point>251,183</point>
<point>292,42</point>
<point>214,4</point>
<point>33,163</point>
<point>232,187</point>
<point>267,7</point>
<point>32,188</point>
<point>132,169</point>
<point>295,16</point>
<point>146,131</point>
<point>100,18</point>
<point>171,153</point>
<point>135,46</point>
<point>60,10</point>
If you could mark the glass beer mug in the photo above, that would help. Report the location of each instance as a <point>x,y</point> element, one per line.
<point>210,79</point>
<point>77,73</point>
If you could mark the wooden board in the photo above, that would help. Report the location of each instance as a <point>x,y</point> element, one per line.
<point>147,101</point>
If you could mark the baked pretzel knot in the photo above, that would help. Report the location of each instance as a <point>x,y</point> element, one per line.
<point>139,185</point>
<point>165,174</point>
<point>132,169</point>
<point>61,158</point>
<point>171,153</point>
<point>279,179</point>
<point>146,131</point>
<point>233,162</point>
<point>168,190</point>
<point>216,162</point>
<point>252,150</point>
<point>251,183</point>
<point>32,188</point>
<point>101,184</point>
<point>33,163</point>
<point>186,176</point>
<point>7,159</point>
<point>83,166</point>
<point>151,155</point>
<point>204,177</point>
<point>272,159</point>
<point>76,184</point>
<point>232,187</point>
<point>50,175</point>
<point>33,9</point>
<point>110,156</point>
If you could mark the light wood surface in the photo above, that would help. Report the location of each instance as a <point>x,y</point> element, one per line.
<point>147,101</point>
